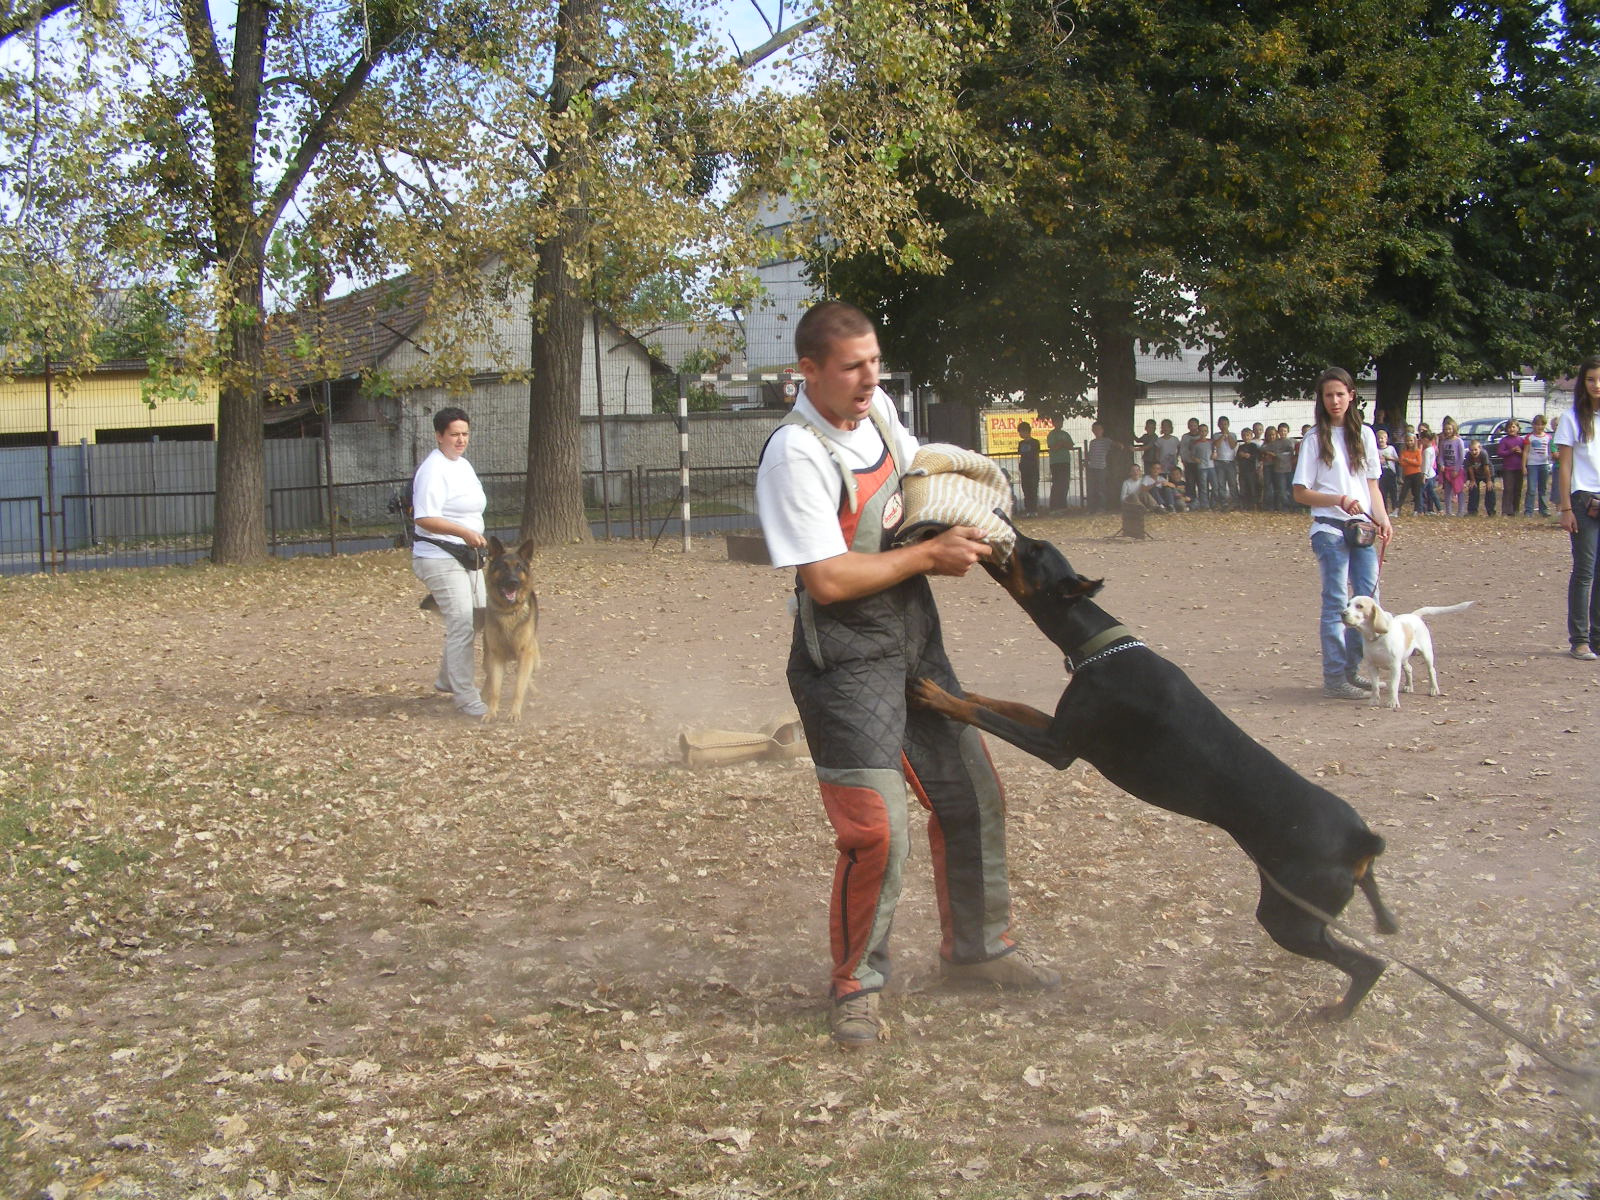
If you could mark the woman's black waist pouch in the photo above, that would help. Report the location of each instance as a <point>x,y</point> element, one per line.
<point>470,557</point>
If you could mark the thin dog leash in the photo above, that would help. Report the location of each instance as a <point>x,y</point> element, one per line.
<point>1465,1001</point>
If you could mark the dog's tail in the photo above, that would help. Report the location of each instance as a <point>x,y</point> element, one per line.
<point>1425,613</point>
<point>1381,915</point>
<point>1371,846</point>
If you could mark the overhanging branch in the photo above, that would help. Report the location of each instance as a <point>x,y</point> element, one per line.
<point>775,43</point>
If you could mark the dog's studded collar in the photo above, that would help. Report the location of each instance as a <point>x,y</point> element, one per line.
<point>1095,648</point>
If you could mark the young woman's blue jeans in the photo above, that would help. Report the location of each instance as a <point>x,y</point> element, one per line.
<point>1538,487</point>
<point>1583,597</point>
<point>1346,572</point>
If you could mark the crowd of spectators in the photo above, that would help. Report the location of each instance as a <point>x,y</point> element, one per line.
<point>1425,472</point>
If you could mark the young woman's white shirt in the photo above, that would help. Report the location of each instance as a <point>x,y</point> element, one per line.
<point>443,488</point>
<point>1336,477</point>
<point>1585,455</point>
<point>798,486</point>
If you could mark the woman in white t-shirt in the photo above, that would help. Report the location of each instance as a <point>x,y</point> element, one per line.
<point>1578,498</point>
<point>1337,478</point>
<point>447,503</point>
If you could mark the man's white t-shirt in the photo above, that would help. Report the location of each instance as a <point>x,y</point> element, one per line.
<point>798,485</point>
<point>1336,477</point>
<point>1585,455</point>
<point>443,488</point>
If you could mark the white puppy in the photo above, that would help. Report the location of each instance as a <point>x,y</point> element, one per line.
<point>1392,640</point>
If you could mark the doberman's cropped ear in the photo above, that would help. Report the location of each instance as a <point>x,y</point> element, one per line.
<point>1087,587</point>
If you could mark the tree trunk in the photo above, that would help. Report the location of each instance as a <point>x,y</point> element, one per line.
<point>1397,374</point>
<point>552,500</point>
<point>234,104</point>
<point>240,531</point>
<point>1114,372</point>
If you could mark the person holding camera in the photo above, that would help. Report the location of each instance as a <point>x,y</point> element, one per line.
<point>1337,478</point>
<point>447,502</point>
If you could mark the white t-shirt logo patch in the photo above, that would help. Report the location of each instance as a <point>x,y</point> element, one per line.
<point>894,511</point>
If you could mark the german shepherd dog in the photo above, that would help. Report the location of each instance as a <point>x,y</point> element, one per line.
<point>1149,730</point>
<point>510,626</point>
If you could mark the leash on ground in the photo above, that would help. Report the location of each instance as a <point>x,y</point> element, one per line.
<point>1466,1002</point>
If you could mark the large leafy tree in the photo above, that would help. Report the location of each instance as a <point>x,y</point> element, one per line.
<point>223,118</point>
<point>570,145</point>
<point>58,121</point>
<point>620,153</point>
<point>1229,175</point>
<point>1159,152</point>
<point>1482,264</point>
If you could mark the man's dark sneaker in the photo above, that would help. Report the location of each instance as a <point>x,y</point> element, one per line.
<point>1359,680</point>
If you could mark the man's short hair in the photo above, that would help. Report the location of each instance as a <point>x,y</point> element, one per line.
<point>826,323</point>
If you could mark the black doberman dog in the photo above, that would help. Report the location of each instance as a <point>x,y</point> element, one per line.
<point>1148,729</point>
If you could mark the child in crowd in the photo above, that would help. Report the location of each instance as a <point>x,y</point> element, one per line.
<point>1389,478</point>
<point>1511,450</point>
<point>1283,460</point>
<point>1430,472</point>
<point>1168,497</point>
<point>1180,487</point>
<point>1410,474</point>
<point>1536,461</point>
<point>1028,467</point>
<point>1452,452</point>
<point>1247,463</point>
<point>1201,448</point>
<point>1136,490</point>
<point>1225,465</point>
<point>1167,447</point>
<point>1479,469</point>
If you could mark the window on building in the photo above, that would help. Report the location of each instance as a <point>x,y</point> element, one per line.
<point>151,433</point>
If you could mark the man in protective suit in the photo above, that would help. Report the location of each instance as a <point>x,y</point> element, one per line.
<point>828,491</point>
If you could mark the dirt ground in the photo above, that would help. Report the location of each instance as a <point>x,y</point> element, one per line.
<point>275,922</point>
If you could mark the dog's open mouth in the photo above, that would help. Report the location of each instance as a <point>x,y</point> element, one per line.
<point>510,594</point>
